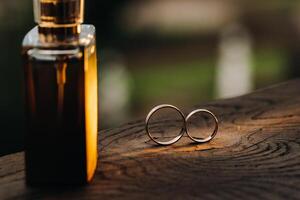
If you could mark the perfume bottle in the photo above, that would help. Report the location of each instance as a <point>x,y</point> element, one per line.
<point>61,95</point>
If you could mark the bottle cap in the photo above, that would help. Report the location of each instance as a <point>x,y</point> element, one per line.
<point>57,13</point>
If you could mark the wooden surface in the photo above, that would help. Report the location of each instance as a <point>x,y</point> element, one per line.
<point>256,154</point>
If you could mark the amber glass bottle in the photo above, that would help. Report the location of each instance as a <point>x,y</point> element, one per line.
<point>61,95</point>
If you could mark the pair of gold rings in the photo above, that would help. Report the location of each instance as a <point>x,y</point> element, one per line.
<point>184,129</point>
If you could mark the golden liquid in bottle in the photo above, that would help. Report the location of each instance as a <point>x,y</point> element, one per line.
<point>61,95</point>
<point>62,115</point>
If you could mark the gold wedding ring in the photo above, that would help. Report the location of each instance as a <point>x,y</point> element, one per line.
<point>184,128</point>
<point>156,109</point>
<point>209,138</point>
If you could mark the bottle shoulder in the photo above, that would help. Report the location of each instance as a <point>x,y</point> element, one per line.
<point>86,37</point>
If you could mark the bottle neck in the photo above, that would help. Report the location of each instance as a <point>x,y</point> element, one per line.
<point>59,33</point>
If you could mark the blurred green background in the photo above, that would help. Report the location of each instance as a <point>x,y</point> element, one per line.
<point>153,52</point>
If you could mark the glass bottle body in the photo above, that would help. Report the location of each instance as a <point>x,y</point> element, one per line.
<point>61,108</point>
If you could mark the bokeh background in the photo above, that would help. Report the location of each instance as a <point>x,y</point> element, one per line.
<point>182,52</point>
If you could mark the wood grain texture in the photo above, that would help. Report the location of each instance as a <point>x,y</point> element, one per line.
<point>256,154</point>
